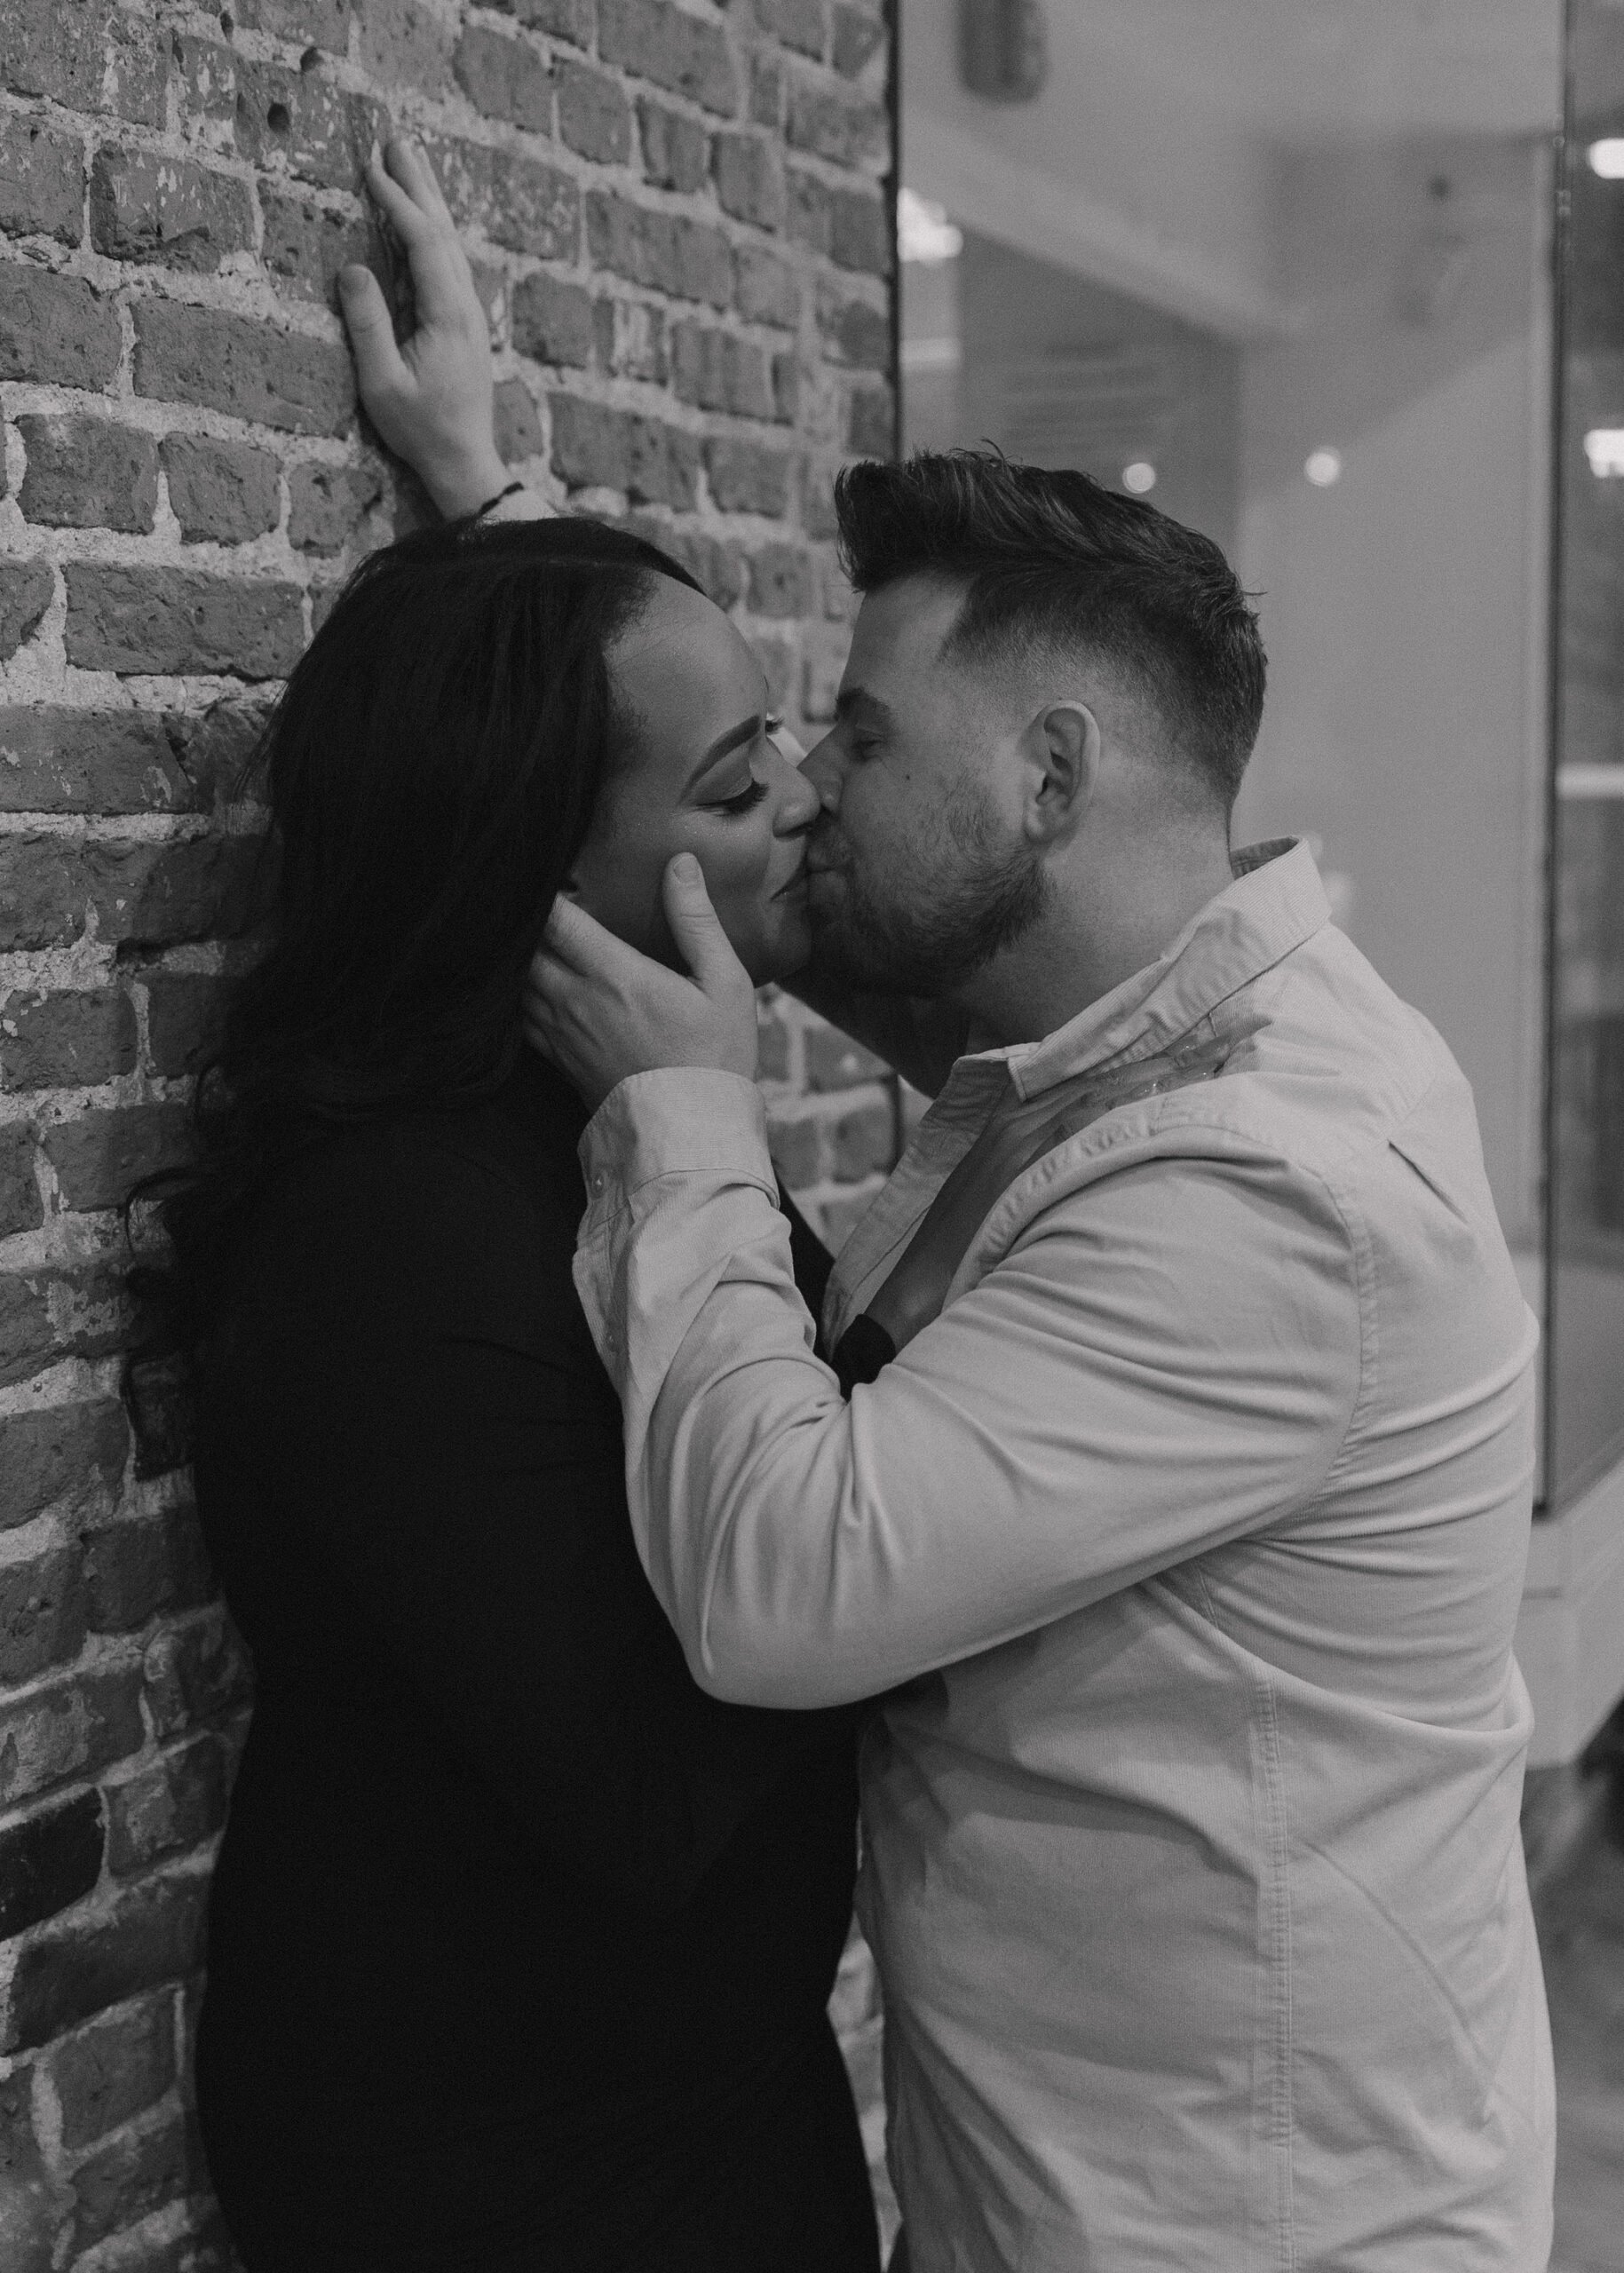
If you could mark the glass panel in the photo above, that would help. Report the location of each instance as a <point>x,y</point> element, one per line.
<point>1283,265</point>
<point>1587,989</point>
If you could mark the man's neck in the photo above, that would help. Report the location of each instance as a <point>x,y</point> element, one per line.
<point>1099,931</point>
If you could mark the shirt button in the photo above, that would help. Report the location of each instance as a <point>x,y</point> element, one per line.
<point>612,1341</point>
<point>598,1181</point>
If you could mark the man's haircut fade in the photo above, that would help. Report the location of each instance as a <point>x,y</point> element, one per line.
<point>1052,557</point>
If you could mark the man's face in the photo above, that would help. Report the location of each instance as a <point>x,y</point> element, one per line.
<point>918,871</point>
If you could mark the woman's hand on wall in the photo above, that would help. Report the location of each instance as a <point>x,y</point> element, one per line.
<point>429,396</point>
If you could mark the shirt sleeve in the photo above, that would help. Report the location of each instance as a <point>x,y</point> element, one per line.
<point>1165,1359</point>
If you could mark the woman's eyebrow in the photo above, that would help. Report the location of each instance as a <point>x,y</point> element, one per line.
<point>745,731</point>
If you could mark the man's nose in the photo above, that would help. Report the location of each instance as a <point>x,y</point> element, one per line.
<point>821,766</point>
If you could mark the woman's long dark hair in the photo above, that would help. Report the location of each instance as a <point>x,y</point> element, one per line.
<point>432,769</point>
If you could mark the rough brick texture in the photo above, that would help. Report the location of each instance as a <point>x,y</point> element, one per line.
<point>676,214</point>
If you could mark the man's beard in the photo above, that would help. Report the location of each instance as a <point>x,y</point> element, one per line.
<point>949,915</point>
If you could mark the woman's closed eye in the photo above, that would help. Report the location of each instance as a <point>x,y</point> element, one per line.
<point>742,802</point>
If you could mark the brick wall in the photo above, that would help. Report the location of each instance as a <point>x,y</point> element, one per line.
<point>677,220</point>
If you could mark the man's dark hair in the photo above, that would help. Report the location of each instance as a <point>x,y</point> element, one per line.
<point>1054,559</point>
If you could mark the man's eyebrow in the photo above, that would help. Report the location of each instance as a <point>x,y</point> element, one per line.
<point>745,731</point>
<point>856,700</point>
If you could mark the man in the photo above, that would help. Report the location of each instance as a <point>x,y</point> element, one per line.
<point>1180,1501</point>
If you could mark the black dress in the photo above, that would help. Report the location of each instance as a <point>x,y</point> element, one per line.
<point>520,1944</point>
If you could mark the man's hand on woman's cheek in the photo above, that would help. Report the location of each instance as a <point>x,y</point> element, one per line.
<point>600,1011</point>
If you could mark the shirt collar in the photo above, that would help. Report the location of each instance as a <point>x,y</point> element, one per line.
<point>1275,902</point>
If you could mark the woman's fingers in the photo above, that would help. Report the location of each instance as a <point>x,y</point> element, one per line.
<point>411,223</point>
<point>379,371</point>
<point>406,161</point>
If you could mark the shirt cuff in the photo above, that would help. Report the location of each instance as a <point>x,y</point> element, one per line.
<point>674,1121</point>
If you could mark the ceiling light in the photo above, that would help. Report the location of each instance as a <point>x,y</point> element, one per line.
<point>1604,448</point>
<point>1323,467</point>
<point>1140,477</point>
<point>1607,158</point>
<point>923,230</point>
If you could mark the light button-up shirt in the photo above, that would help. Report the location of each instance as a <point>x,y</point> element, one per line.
<point>1191,1535</point>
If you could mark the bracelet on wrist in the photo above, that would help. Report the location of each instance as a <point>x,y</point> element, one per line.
<point>491,504</point>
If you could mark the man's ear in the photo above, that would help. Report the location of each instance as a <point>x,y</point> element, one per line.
<point>1065,746</point>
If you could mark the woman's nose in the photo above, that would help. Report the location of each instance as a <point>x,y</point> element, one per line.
<point>798,801</point>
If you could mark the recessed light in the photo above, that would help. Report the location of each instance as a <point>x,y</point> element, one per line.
<point>1607,158</point>
<point>1140,477</point>
<point>1604,448</point>
<point>1323,467</point>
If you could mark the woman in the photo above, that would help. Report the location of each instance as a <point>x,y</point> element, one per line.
<point>519,1945</point>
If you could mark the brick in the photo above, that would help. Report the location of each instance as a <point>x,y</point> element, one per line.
<point>46,1314</point>
<point>594,116</point>
<point>631,339</point>
<point>518,202</point>
<point>137,1565</point>
<point>746,479</point>
<point>857,36</point>
<point>251,370</point>
<point>194,1673</point>
<point>870,423</point>
<point>750,179</point>
<point>863,1142</point>
<point>216,750</point>
<point>42,181</point>
<point>69,1971</point>
<point>147,206</point>
<point>516,427</point>
<point>594,446</point>
<point>134,619</point>
<point>653,40</point>
<point>797,1150</point>
<point>150,894</point>
<point>780,581</point>
<point>570,20</point>
<point>810,218</point>
<point>41,1624</point>
<point>31,2209</point>
<point>168,1807</point>
<point>88,473</point>
<point>226,492</point>
<point>207,70</point>
<point>186,1016</point>
<point>835,1062</point>
<point>552,320</point>
<point>769,290</point>
<point>859,233</point>
<point>27,590</point>
<point>55,1452</point>
<point>773,1040</point>
<point>136,2172</point>
<point>823,667</point>
<point>105,2073</point>
<point>48,1861</point>
<point>719,371</point>
<point>304,121</point>
<point>21,1208</point>
<point>846,130</point>
<point>676,150</point>
<point>785,387</point>
<point>326,504</point>
<point>305,245</point>
<point>714,564</point>
<point>817,516</point>
<point>65,1041</point>
<point>100,1156</point>
<point>57,329</point>
<point>687,258</point>
<point>74,1724</point>
<point>88,58</point>
<point>854,332</point>
<point>57,760</point>
<point>798,23</point>
<point>776,658</point>
<point>315,23</point>
<point>404,43</point>
<point>505,78</point>
<point>767,90</point>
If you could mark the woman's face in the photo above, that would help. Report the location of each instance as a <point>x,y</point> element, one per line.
<point>701,775</point>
